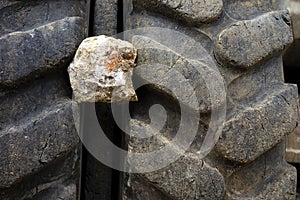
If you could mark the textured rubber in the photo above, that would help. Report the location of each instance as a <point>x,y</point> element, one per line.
<point>38,140</point>
<point>246,40</point>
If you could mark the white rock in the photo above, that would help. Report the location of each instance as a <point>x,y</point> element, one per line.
<point>102,70</point>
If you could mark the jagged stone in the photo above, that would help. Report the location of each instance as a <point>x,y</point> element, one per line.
<point>248,42</point>
<point>102,69</point>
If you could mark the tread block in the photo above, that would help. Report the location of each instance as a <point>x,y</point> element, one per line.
<point>268,177</point>
<point>246,43</point>
<point>187,178</point>
<point>53,177</point>
<point>178,73</point>
<point>192,12</point>
<point>137,188</point>
<point>59,191</point>
<point>32,52</point>
<point>26,15</point>
<point>41,139</point>
<point>247,9</point>
<point>246,89</point>
<point>257,129</point>
<point>20,103</point>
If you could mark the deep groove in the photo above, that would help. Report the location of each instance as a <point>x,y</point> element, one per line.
<point>83,161</point>
<point>291,75</point>
<point>120,17</point>
<point>116,175</point>
<point>91,18</point>
<point>117,140</point>
<point>118,135</point>
<point>83,172</point>
<point>84,152</point>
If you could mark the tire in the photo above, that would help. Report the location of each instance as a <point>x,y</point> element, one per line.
<point>246,40</point>
<point>98,180</point>
<point>39,145</point>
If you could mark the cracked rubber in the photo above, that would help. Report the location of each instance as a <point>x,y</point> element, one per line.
<point>246,40</point>
<point>38,141</point>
